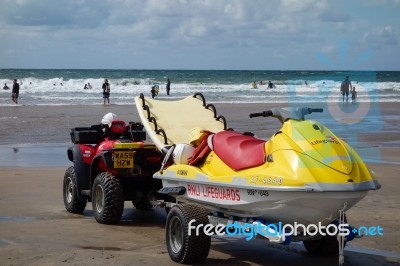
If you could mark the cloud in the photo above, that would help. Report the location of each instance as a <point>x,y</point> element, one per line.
<point>328,49</point>
<point>186,30</point>
<point>381,2</point>
<point>297,5</point>
<point>381,36</point>
<point>73,13</point>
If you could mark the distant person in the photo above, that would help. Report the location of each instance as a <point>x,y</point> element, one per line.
<point>5,87</point>
<point>157,89</point>
<point>305,82</point>
<point>89,86</point>
<point>106,92</point>
<point>168,87</point>
<point>15,91</point>
<point>261,82</point>
<point>271,85</point>
<point>85,87</point>
<point>61,84</point>
<point>345,88</point>
<point>353,95</point>
<point>153,91</point>
<point>254,85</point>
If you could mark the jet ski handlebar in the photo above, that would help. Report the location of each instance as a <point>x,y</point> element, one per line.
<point>264,114</point>
<point>284,114</point>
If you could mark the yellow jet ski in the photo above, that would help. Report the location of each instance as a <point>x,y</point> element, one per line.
<point>304,174</point>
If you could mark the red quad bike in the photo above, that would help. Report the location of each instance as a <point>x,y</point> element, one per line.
<point>111,164</point>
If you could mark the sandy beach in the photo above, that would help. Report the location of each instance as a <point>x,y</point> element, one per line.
<point>35,229</point>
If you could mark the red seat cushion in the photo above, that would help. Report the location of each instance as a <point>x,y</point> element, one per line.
<point>239,151</point>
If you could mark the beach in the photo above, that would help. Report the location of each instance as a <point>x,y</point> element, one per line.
<point>35,228</point>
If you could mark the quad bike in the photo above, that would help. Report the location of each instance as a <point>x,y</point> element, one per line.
<point>111,164</point>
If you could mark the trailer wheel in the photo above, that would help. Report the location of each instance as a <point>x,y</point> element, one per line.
<point>142,203</point>
<point>107,198</point>
<point>182,247</point>
<point>326,245</point>
<point>70,193</point>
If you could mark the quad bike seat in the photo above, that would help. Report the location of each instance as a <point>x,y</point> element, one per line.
<point>239,151</point>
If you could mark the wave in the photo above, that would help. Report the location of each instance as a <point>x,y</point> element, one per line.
<point>63,91</point>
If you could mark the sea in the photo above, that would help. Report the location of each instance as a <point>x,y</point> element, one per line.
<point>66,86</point>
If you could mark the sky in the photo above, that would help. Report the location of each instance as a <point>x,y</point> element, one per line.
<point>200,34</point>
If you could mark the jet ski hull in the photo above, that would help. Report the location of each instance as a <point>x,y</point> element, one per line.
<point>286,205</point>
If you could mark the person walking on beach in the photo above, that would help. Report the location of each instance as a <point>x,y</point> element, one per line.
<point>168,87</point>
<point>106,91</point>
<point>345,88</point>
<point>15,91</point>
<point>353,95</point>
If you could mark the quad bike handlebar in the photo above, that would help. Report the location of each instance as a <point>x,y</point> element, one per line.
<point>264,114</point>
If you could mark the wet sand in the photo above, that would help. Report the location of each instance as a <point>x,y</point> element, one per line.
<point>35,229</point>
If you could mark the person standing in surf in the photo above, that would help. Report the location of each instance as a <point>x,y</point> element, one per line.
<point>345,88</point>
<point>15,91</point>
<point>168,87</point>
<point>353,95</point>
<point>271,85</point>
<point>106,92</point>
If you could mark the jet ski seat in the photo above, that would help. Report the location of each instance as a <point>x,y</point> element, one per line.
<point>239,151</point>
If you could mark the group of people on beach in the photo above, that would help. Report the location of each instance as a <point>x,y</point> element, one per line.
<point>346,88</point>
<point>106,90</point>
<point>155,88</point>
<point>270,84</point>
<point>87,86</point>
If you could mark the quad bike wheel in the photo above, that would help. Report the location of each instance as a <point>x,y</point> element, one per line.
<point>182,247</point>
<point>107,198</point>
<point>70,193</point>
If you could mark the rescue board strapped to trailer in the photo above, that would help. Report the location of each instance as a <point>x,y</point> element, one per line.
<point>170,122</point>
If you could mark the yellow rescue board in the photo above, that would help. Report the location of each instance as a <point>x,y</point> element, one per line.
<point>176,119</point>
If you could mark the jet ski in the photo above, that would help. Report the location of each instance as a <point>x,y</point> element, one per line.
<point>304,174</point>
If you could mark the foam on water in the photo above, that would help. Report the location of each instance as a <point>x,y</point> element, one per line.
<point>65,87</point>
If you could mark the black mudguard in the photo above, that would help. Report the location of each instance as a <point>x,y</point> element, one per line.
<point>82,170</point>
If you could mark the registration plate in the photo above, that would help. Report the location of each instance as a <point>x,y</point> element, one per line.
<point>123,159</point>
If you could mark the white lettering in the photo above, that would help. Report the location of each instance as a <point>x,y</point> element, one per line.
<point>250,230</point>
<point>208,229</point>
<point>192,227</point>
